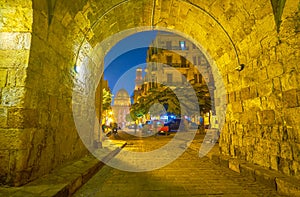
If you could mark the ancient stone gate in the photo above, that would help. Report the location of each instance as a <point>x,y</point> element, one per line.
<point>42,41</point>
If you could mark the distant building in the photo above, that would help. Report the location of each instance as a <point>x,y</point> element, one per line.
<point>174,60</point>
<point>121,107</point>
<point>138,79</point>
<point>138,84</point>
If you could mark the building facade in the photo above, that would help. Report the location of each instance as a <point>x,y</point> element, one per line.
<point>174,60</point>
<point>121,107</point>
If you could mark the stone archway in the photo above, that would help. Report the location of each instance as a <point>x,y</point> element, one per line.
<point>261,98</point>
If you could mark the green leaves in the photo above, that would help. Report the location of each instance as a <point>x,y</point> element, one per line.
<point>107,98</point>
<point>177,100</point>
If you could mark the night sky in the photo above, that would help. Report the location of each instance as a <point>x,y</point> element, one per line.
<point>122,60</point>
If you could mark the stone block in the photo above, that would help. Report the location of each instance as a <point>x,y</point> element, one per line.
<point>288,186</point>
<point>277,83</point>
<point>215,158</point>
<point>13,97</point>
<point>245,93</point>
<point>14,58</point>
<point>261,157</point>
<point>236,107</point>
<point>265,177</point>
<point>231,97</point>
<point>248,117</point>
<point>290,98</point>
<point>4,165</point>
<point>284,166</point>
<point>296,151</point>
<point>13,139</point>
<point>254,104</point>
<point>286,151</point>
<point>224,161</point>
<point>262,74</point>
<point>266,117</point>
<point>274,147</point>
<point>3,117</point>
<point>295,168</point>
<point>275,70</point>
<point>265,89</point>
<point>3,78</point>
<point>22,118</point>
<point>76,184</point>
<point>289,80</point>
<point>247,170</point>
<point>15,41</point>
<point>18,19</point>
<point>238,96</point>
<point>253,92</point>
<point>234,165</point>
<point>15,118</point>
<point>274,160</point>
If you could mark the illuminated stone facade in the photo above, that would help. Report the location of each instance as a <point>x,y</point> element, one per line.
<point>175,61</point>
<point>121,107</point>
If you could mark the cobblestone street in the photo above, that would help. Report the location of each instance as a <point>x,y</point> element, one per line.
<point>189,175</point>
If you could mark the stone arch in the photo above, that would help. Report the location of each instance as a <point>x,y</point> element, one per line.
<point>258,98</point>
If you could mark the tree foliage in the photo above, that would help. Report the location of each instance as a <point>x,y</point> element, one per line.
<point>179,101</point>
<point>106,100</point>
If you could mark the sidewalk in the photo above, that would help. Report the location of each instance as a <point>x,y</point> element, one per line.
<point>66,180</point>
<point>283,184</point>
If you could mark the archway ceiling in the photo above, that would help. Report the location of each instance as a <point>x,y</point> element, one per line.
<point>218,26</point>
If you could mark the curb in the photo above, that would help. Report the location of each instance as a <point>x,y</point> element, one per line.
<point>64,181</point>
<point>283,184</point>
<point>71,188</point>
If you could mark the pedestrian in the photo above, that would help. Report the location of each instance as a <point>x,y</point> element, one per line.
<point>185,124</point>
<point>103,127</point>
<point>135,128</point>
<point>201,124</point>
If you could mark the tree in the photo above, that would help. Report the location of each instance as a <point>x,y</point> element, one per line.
<point>180,100</point>
<point>107,98</point>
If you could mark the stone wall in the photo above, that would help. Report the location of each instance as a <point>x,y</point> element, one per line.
<point>262,126</point>
<point>14,56</point>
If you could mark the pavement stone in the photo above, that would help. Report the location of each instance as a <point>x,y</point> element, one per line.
<point>284,185</point>
<point>66,180</point>
<point>188,175</point>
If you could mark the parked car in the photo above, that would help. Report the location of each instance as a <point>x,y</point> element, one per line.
<point>173,124</point>
<point>150,125</point>
<point>170,126</point>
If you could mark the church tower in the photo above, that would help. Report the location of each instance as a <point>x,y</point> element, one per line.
<point>138,79</point>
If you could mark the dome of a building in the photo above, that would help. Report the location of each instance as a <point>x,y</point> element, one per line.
<point>122,98</point>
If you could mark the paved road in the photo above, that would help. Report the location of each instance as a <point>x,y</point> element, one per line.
<point>189,175</point>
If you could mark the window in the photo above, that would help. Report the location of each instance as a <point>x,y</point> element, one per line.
<point>154,67</point>
<point>183,62</point>
<point>169,45</point>
<point>195,78</point>
<point>169,60</point>
<point>199,60</point>
<point>200,78</point>
<point>182,45</point>
<point>169,78</point>
<point>194,60</point>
